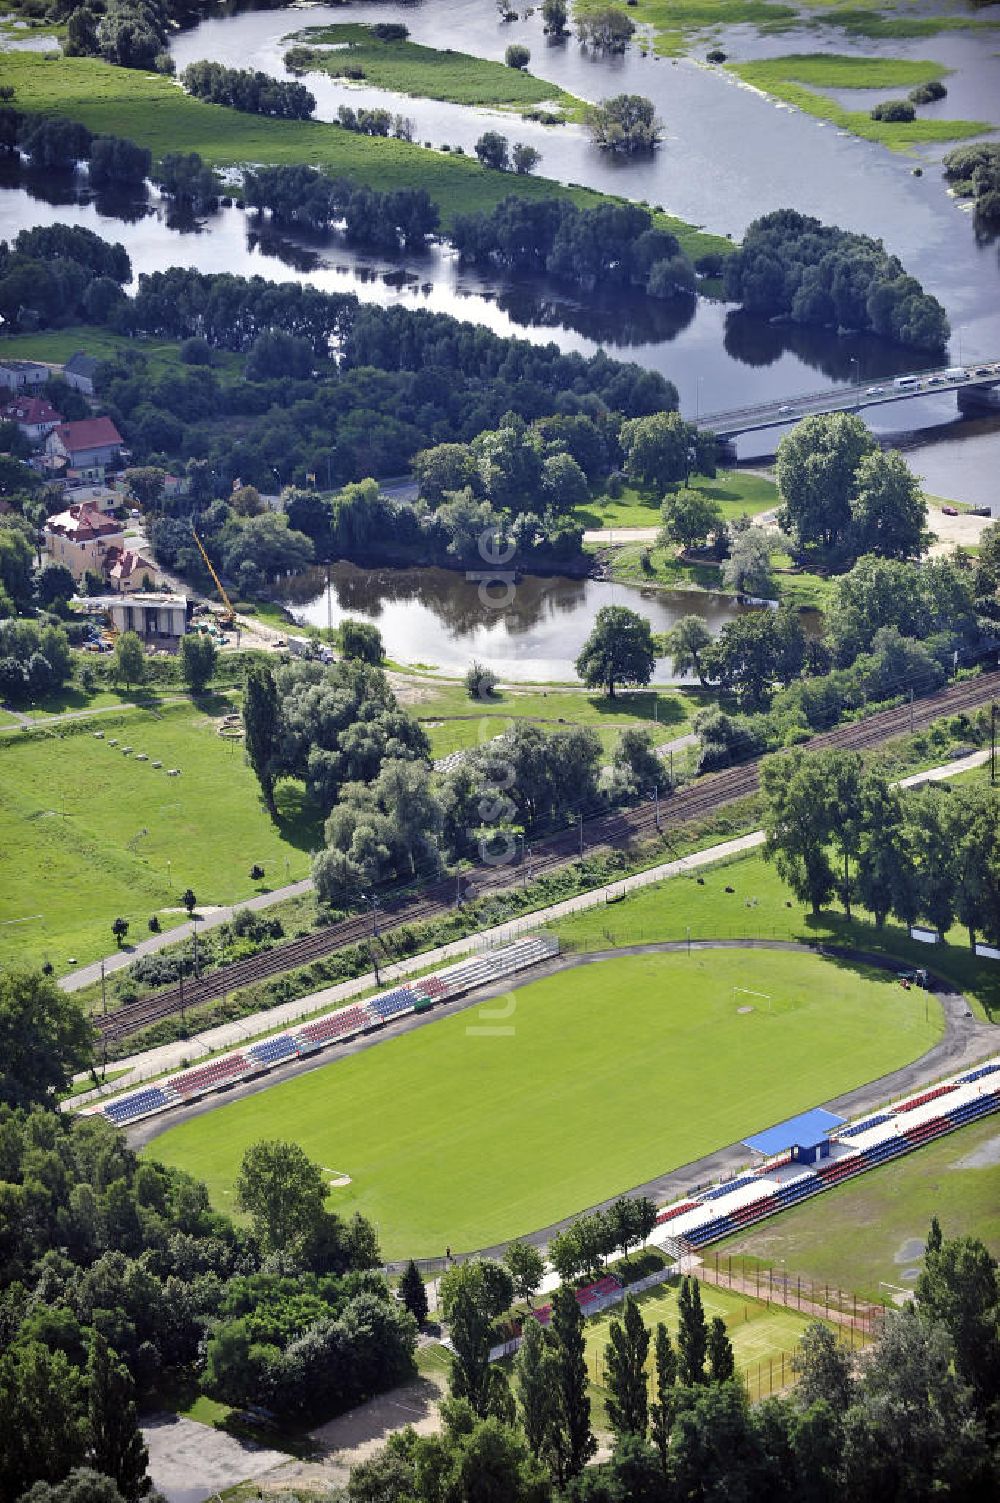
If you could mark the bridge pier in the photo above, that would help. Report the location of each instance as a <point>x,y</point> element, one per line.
<point>979,399</point>
<point>726,450</point>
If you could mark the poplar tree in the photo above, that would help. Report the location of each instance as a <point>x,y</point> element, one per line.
<point>721,1362</point>
<point>662,1410</point>
<point>536,1379</point>
<point>692,1334</point>
<point>625,1358</point>
<point>116,1442</point>
<point>575,1443</point>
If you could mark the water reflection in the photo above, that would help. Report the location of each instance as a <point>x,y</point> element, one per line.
<point>436,616</point>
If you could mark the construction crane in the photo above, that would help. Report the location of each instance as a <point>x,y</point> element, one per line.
<point>228,619</point>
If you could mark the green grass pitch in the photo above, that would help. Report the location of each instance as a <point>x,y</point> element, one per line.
<point>503,1119</point>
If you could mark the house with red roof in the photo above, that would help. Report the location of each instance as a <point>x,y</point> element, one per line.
<point>34,416</point>
<point>82,538</point>
<point>128,571</point>
<point>87,446</point>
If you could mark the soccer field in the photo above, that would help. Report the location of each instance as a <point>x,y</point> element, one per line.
<point>505,1118</point>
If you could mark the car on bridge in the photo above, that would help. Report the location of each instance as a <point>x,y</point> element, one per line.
<point>875,391</point>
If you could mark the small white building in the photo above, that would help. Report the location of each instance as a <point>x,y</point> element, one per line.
<point>34,416</point>
<point>22,375</point>
<point>160,620</point>
<point>79,372</point>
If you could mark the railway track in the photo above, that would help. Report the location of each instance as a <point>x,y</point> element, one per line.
<point>613,828</point>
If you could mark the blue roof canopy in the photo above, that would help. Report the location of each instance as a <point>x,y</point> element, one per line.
<point>804,1131</point>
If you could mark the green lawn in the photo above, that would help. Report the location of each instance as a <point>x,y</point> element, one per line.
<point>761,906</point>
<point>86,833</point>
<point>796,78</point>
<point>153,111</point>
<point>424,72</point>
<point>759,1334</point>
<point>651,564</point>
<point>55,346</point>
<point>498,1121</point>
<point>736,491</point>
<point>453,720</point>
<point>866,1232</point>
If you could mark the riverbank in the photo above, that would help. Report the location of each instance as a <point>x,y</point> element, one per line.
<point>155,112</point>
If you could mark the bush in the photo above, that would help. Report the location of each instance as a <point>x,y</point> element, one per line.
<point>895,111</point>
<point>390,31</point>
<point>927,93</point>
<point>517,56</point>
<point>716,55</point>
<point>480,681</point>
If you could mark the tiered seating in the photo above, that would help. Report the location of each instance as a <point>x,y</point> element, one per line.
<point>754,1211</point>
<point>794,1190</point>
<point>272,1051</point>
<point>879,1153</point>
<point>337,1025</point>
<point>207,1077</point>
<point>392,1004</point>
<point>920,1132</point>
<point>470,974</point>
<point>968,1111</point>
<point>865,1126</point>
<point>429,986</point>
<point>915,1101</point>
<point>834,1170</point>
<point>979,1073</point>
<point>711,1231</point>
<point>732,1184</point>
<point>593,1294</point>
<point>140,1104</point>
<point>677,1210</point>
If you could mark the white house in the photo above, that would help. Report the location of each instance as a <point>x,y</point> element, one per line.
<point>87,446</point>
<point>79,372</point>
<point>22,375</point>
<point>34,417</point>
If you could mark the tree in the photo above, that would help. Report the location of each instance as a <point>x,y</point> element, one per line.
<point>411,1287</point>
<point>517,56</point>
<point>444,468</point>
<point>198,655</point>
<point>658,449</point>
<point>493,150</point>
<point>626,123</point>
<point>721,1361</point>
<point>888,511</point>
<point>692,1334</point>
<point>524,158</point>
<point>473,1296</point>
<point>554,15</point>
<point>145,484</point>
<point>56,586</point>
<point>638,765</point>
<point>262,729</point>
<point>82,1484</point>
<point>119,928</point>
<point>747,570</point>
<point>362,641</point>
<point>978,861</point>
<point>959,1286</point>
<point>189,900</point>
<point>625,1366</point>
<point>129,662</point>
<point>689,518</point>
<point>823,1367</point>
<point>564,485</point>
<point>42,1417</point>
<point>536,1386</point>
<point>754,652</point>
<point>116,1443</point>
<point>817,467</point>
<point>282,1191</point>
<point>526,1266</point>
<point>662,1409</point>
<point>685,644</point>
<point>605,28</point>
<point>619,650</point>
<point>797,825</point>
<point>45,1038</point>
<point>574,1442</point>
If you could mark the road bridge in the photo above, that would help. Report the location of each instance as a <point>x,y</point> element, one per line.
<point>978,389</point>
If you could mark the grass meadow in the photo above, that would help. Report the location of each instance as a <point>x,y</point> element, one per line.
<point>868,1232</point>
<point>425,72</point>
<point>736,491</point>
<point>502,1119</point>
<point>797,77</point>
<point>87,833</point>
<point>154,111</point>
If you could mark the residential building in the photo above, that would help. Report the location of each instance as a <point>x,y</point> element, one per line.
<point>128,571</point>
<point>22,375</point>
<point>34,416</point>
<point>87,447</point>
<point>79,372</point>
<point>81,538</point>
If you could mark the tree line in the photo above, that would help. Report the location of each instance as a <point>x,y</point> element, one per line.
<point>303,196</point>
<point>613,244</point>
<point>836,828</point>
<point>248,90</point>
<point>794,266</point>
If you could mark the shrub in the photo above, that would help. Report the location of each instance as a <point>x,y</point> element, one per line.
<point>927,93</point>
<point>517,56</point>
<point>895,111</point>
<point>390,31</point>
<point>480,681</point>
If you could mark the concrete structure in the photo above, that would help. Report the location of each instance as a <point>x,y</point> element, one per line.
<point>81,538</point>
<point>128,572</point>
<point>160,620</point>
<point>79,372</point>
<point>35,418</point>
<point>87,447</point>
<point>22,375</point>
